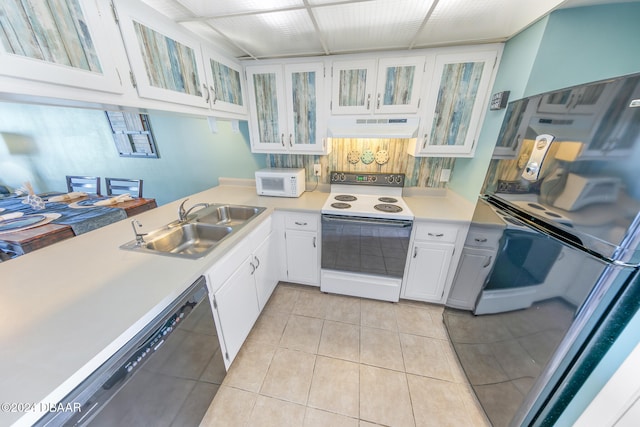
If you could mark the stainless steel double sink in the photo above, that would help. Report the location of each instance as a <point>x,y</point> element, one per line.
<point>198,234</point>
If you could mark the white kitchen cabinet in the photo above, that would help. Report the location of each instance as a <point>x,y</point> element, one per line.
<point>68,45</point>
<point>302,245</point>
<point>455,101</point>
<point>430,258</point>
<point>166,61</point>
<point>288,109</point>
<point>385,85</point>
<point>476,262</point>
<point>240,283</point>
<point>226,88</point>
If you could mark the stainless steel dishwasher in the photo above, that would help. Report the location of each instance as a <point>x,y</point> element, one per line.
<point>166,375</point>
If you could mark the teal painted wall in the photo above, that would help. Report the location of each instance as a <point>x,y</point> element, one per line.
<point>42,144</point>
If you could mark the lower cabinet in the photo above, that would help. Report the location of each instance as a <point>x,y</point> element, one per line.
<point>430,261</point>
<point>302,245</point>
<point>476,263</point>
<point>240,284</point>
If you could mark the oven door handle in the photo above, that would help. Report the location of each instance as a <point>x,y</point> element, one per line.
<point>401,223</point>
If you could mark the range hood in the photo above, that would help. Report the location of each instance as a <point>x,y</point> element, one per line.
<point>368,127</point>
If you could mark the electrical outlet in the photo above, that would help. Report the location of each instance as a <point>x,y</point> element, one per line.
<point>317,171</point>
<point>445,174</point>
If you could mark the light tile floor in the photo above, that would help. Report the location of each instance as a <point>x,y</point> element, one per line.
<point>316,359</point>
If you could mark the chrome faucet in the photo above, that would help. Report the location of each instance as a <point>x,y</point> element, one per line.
<point>139,236</point>
<point>183,214</point>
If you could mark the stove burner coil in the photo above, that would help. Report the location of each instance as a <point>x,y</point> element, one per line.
<point>385,207</point>
<point>340,205</point>
<point>345,198</point>
<point>387,200</point>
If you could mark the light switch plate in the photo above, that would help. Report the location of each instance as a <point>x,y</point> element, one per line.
<point>445,174</point>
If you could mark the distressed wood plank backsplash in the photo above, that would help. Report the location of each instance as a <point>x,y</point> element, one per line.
<point>54,31</point>
<point>419,171</point>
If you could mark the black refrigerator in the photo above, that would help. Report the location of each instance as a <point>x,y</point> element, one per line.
<point>532,312</point>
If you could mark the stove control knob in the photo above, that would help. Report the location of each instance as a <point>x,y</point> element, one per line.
<point>374,178</point>
<point>342,177</point>
<point>398,179</point>
<point>390,179</point>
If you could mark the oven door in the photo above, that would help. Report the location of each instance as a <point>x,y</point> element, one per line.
<point>365,245</point>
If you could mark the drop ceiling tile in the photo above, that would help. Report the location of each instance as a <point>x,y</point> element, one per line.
<point>206,32</point>
<point>460,21</point>
<point>380,24</point>
<point>170,8</point>
<point>208,8</point>
<point>272,34</point>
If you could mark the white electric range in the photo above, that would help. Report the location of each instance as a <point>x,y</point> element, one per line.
<point>366,229</point>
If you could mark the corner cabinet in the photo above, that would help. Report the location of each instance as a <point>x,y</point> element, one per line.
<point>456,101</point>
<point>240,283</point>
<point>68,43</point>
<point>226,88</point>
<point>385,85</point>
<point>287,108</point>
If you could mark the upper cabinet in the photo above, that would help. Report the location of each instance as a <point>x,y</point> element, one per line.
<point>60,42</point>
<point>170,64</point>
<point>456,99</point>
<point>287,108</point>
<point>226,89</point>
<point>385,85</point>
<point>165,61</point>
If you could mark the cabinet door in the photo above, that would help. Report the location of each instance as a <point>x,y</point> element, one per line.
<point>399,84</point>
<point>353,86</point>
<point>306,108</point>
<point>473,269</point>
<point>267,108</point>
<point>302,257</point>
<point>225,83</point>
<point>456,102</point>
<point>266,276</point>
<point>236,309</point>
<point>63,43</point>
<point>165,59</point>
<point>428,268</point>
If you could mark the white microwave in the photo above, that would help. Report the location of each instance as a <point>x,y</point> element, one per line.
<point>280,182</point>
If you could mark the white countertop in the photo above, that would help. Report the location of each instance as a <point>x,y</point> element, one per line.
<point>66,308</point>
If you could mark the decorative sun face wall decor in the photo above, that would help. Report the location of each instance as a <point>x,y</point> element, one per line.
<point>370,155</point>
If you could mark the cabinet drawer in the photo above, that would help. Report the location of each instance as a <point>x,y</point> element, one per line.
<point>437,232</point>
<point>301,221</point>
<point>482,239</point>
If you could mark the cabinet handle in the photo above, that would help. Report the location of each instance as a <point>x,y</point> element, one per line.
<point>368,101</point>
<point>300,223</point>
<point>378,103</point>
<point>480,240</point>
<point>253,268</point>
<point>415,251</point>
<point>488,262</point>
<point>257,261</point>
<point>215,96</point>
<point>314,241</point>
<point>436,235</point>
<point>290,140</point>
<point>206,89</point>
<point>424,144</point>
<point>282,139</point>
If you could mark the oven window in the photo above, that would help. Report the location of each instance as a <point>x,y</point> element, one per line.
<point>272,184</point>
<point>365,246</point>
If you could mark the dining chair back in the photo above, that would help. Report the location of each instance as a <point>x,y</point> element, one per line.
<point>87,184</point>
<point>117,186</point>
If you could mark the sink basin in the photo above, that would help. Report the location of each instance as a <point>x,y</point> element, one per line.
<point>227,214</point>
<point>197,237</point>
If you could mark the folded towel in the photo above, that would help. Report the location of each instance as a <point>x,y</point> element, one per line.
<point>114,200</point>
<point>10,215</point>
<point>66,197</point>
